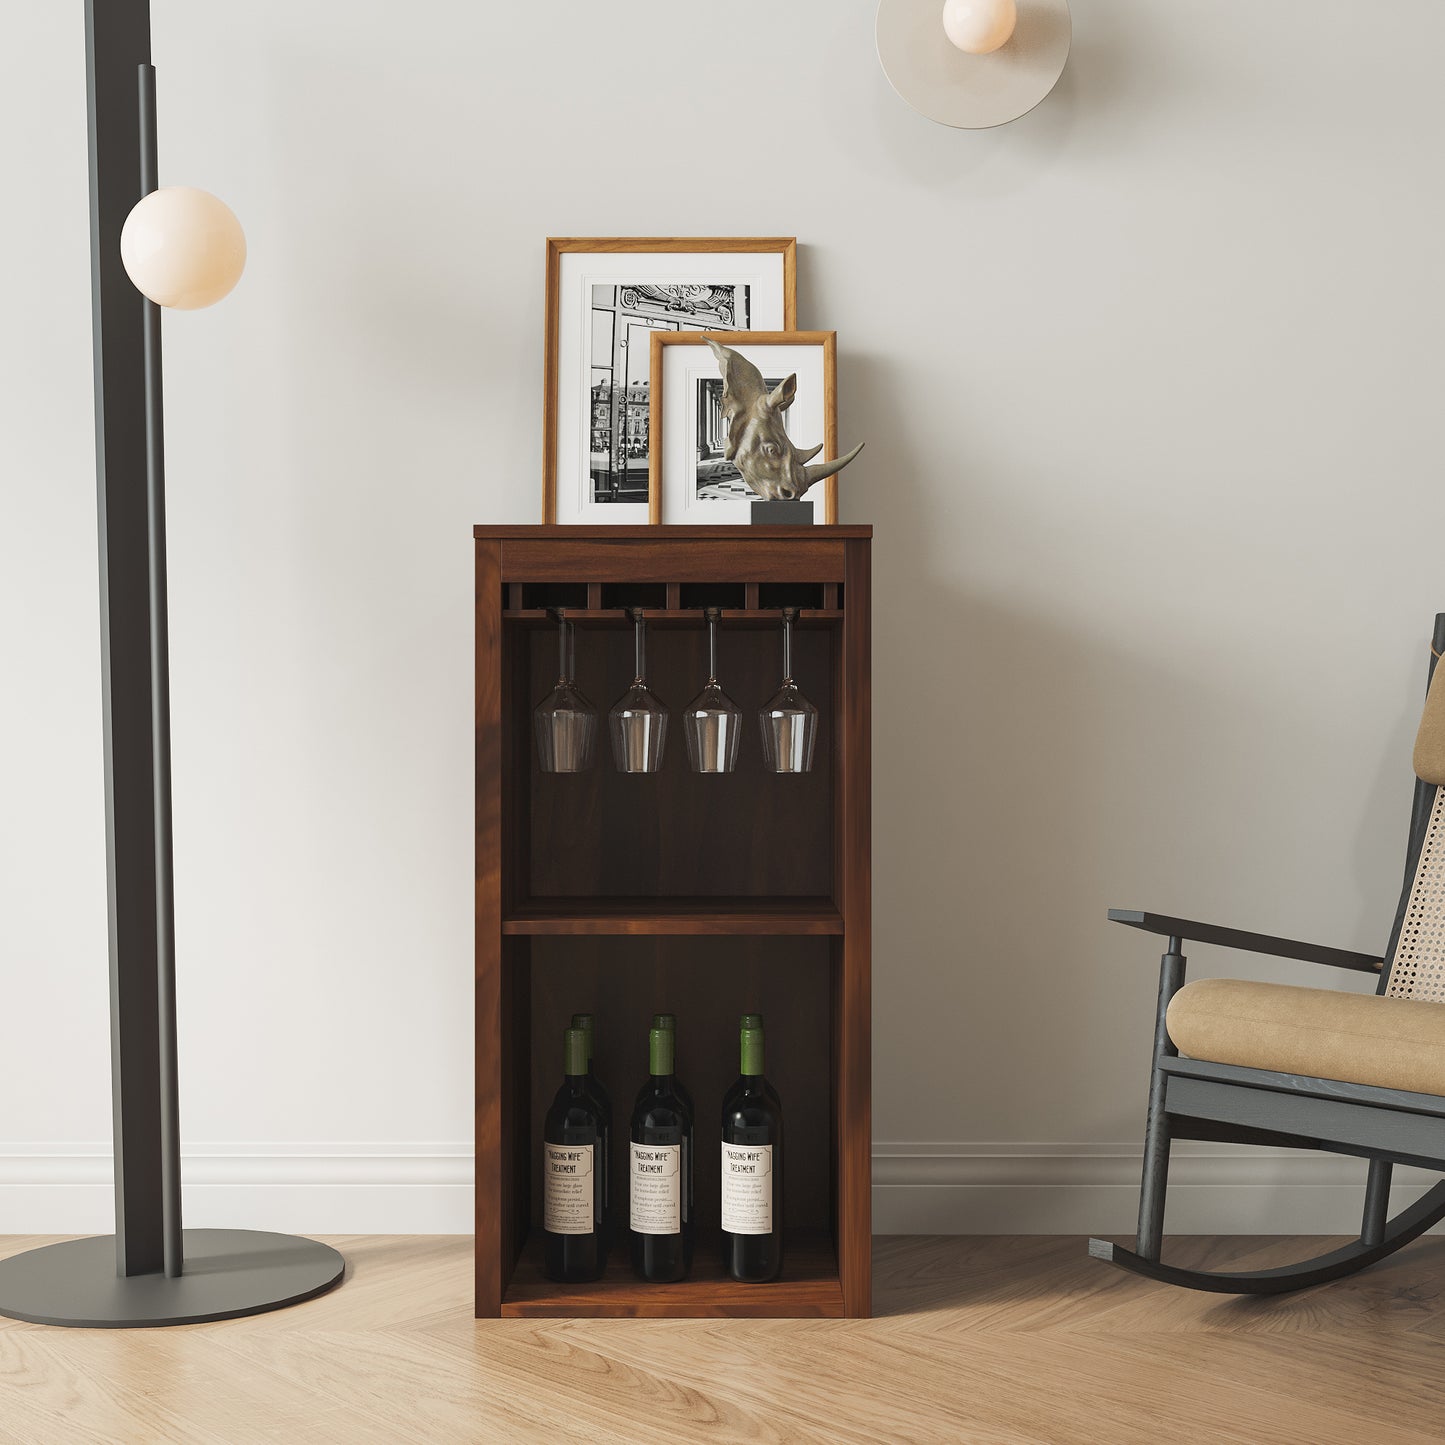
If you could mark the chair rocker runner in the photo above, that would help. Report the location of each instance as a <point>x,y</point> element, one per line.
<point>1309,1068</point>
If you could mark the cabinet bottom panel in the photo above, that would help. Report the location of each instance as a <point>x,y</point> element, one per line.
<point>807,1289</point>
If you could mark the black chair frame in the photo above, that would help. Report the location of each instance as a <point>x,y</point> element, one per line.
<point>1192,1099</point>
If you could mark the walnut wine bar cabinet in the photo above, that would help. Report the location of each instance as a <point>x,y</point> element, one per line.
<point>702,895</point>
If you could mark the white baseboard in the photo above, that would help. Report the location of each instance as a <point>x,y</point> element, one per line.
<point>947,1188</point>
<point>301,1188</point>
<point>918,1188</point>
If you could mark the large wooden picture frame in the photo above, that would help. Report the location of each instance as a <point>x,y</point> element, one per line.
<point>595,415</point>
<point>675,488</point>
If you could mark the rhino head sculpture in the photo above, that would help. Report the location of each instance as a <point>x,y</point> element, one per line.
<point>757,445</point>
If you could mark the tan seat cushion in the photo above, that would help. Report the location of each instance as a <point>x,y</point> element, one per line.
<point>1396,1043</point>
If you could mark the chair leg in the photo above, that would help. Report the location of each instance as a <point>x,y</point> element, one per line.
<point>1149,1241</point>
<point>1377,1202</point>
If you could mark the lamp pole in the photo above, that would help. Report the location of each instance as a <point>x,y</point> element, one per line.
<point>167,1060</point>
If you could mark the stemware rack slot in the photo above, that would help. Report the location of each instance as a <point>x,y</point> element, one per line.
<point>650,596</point>
<point>700,894</point>
<point>712,594</point>
<point>790,594</point>
<point>541,596</point>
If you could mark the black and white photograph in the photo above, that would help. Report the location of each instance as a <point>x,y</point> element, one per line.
<point>606,298</point>
<point>622,321</point>
<point>716,479</point>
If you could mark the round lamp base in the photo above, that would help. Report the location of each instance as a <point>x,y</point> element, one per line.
<point>228,1273</point>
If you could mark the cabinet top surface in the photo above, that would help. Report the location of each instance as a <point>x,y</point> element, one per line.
<point>553,532</point>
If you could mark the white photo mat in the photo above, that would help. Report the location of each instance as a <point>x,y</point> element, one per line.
<point>683,367</point>
<point>578,273</point>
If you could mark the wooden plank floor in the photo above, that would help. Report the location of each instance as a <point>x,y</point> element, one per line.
<point>977,1340</point>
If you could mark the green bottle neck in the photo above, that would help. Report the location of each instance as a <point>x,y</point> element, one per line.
<point>661,1053</point>
<point>575,1052</point>
<point>750,1053</point>
<point>584,1022</point>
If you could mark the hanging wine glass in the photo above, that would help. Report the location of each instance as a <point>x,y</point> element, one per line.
<point>564,721</point>
<point>638,721</point>
<point>713,721</point>
<point>789,721</point>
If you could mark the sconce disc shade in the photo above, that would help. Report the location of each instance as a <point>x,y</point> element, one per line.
<point>182,247</point>
<point>972,92</point>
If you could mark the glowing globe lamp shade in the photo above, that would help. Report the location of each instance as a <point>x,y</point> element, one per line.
<point>979,27</point>
<point>182,247</point>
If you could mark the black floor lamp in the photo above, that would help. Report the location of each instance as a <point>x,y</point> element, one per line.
<point>184,249</point>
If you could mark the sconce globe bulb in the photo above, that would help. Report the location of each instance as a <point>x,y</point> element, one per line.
<point>182,247</point>
<point>979,27</point>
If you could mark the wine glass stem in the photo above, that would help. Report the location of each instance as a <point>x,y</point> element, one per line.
<point>712,647</point>
<point>640,634</point>
<point>788,646</point>
<point>562,646</point>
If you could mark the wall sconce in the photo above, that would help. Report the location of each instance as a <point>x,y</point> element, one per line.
<point>973,63</point>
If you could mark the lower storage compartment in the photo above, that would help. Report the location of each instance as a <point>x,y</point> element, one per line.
<point>807,1289</point>
<point>707,983</point>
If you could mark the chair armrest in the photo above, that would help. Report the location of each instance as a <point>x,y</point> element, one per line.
<point>1182,928</point>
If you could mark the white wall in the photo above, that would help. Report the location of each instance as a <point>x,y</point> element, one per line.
<point>1149,381</point>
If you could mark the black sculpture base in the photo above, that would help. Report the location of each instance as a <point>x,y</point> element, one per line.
<point>782,514</point>
<point>228,1273</point>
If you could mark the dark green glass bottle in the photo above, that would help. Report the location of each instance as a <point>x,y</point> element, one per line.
<point>586,1023</point>
<point>660,1167</point>
<point>574,1164</point>
<point>752,1165</point>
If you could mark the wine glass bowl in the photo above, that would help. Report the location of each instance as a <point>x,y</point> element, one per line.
<point>638,720</point>
<point>712,721</point>
<point>564,722</point>
<point>788,720</point>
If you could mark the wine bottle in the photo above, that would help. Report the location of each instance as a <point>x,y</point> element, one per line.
<point>752,1166</point>
<point>574,1164</point>
<point>585,1022</point>
<point>660,1200</point>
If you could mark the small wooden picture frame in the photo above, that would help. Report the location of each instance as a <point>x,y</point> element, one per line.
<point>691,481</point>
<point>606,296</point>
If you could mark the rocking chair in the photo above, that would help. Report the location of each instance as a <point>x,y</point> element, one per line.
<point>1307,1068</point>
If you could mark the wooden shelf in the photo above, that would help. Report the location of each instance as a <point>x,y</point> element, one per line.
<point>673,916</point>
<point>808,1288</point>
<point>672,616</point>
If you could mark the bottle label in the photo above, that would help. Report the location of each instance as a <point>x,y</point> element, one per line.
<point>656,1192</point>
<point>567,1196</point>
<point>747,1188</point>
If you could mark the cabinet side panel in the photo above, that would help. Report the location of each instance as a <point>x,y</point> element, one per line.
<point>493,1250</point>
<point>854,1065</point>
